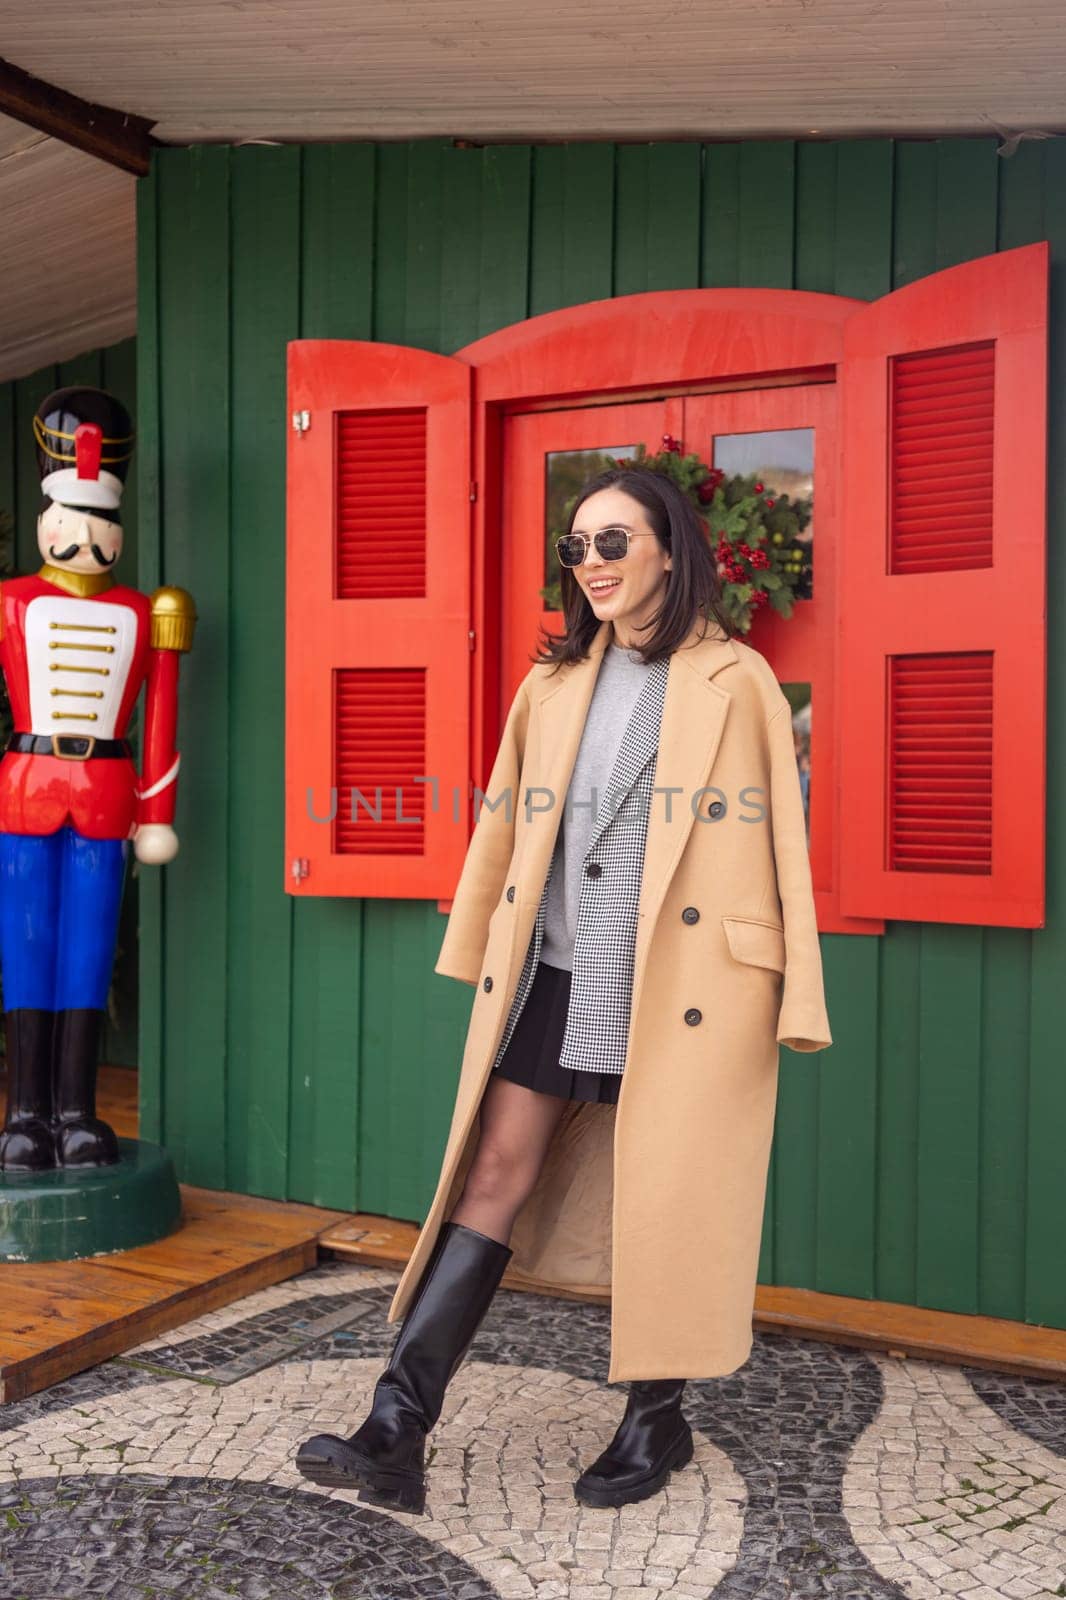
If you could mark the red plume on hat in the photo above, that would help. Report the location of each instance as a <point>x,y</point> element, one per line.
<point>88,447</point>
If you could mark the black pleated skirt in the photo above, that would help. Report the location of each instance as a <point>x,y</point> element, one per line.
<point>532,1054</point>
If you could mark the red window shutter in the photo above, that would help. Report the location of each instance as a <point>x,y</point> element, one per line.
<point>377,731</point>
<point>943,609</point>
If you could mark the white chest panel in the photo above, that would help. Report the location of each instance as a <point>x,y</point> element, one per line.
<point>79,654</point>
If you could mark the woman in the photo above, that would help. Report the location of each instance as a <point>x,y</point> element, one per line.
<point>604,1135</point>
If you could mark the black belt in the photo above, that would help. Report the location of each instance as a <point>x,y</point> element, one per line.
<point>70,746</point>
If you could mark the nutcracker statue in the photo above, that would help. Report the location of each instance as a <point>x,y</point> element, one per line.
<point>75,648</point>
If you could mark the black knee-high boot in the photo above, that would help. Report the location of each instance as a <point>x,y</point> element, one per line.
<point>651,1440</point>
<point>385,1457</point>
<point>27,1143</point>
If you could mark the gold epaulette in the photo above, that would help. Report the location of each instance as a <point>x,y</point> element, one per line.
<point>173,619</point>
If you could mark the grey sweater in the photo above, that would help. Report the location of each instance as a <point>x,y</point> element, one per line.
<point>619,681</point>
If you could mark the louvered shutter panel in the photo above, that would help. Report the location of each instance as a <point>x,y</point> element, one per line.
<point>377,620</point>
<point>943,607</point>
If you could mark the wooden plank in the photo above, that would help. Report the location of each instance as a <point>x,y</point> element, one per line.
<point>265,206</point>
<point>337,242</point>
<point>399,1153</point>
<point>864,218</point>
<point>1003,1107</point>
<point>767,213</point>
<point>20,1377</point>
<point>151,984</point>
<point>58,1318</point>
<point>572,225</point>
<point>503,261</point>
<point>895,971</point>
<point>845,1147</point>
<point>967,181</point>
<point>196,407</point>
<point>949,1004</point>
<point>817,200</point>
<point>1040,1069</point>
<point>344,217</point>
<point>657,227</point>
<point>914,1331</point>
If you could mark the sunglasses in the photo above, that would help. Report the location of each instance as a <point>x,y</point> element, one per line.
<point>611,543</point>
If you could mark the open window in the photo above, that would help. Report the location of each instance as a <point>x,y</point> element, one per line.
<point>918,425</point>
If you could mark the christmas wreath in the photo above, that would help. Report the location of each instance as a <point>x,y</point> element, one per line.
<point>754,534</point>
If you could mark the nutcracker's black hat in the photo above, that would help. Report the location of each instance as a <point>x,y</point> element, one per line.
<point>84,440</point>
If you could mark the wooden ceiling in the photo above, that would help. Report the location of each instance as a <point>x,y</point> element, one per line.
<point>277,70</point>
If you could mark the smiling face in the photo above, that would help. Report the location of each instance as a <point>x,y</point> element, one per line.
<point>77,540</point>
<point>629,591</point>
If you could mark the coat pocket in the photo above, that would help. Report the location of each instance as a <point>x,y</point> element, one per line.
<point>761,944</point>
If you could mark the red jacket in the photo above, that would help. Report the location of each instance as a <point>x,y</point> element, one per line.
<point>75,654</point>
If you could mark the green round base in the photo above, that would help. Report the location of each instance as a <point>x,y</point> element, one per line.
<point>69,1212</point>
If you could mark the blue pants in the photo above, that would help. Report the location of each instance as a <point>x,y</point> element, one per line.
<point>60,896</point>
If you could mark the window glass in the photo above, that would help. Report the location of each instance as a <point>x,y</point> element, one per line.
<point>783,460</point>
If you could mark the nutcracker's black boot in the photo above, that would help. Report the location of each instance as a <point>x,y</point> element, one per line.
<point>385,1457</point>
<point>27,1143</point>
<point>651,1440</point>
<point>82,1140</point>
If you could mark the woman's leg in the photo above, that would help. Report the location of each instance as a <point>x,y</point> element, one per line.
<point>517,1125</point>
<point>385,1457</point>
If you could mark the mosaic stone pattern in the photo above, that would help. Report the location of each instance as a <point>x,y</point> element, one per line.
<point>818,1470</point>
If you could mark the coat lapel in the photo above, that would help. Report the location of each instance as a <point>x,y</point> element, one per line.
<point>693,717</point>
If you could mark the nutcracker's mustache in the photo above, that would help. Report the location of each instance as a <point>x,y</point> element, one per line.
<point>72,550</point>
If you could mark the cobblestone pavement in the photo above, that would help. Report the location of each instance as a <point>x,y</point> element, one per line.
<point>818,1470</point>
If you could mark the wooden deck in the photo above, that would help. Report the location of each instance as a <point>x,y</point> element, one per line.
<point>60,1318</point>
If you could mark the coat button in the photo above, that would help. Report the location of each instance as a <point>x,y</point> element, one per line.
<point>593,869</point>
<point>487,985</point>
<point>690,914</point>
<point>510,892</point>
<point>693,1016</point>
<point>715,809</point>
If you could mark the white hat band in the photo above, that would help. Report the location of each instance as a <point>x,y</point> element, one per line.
<point>70,490</point>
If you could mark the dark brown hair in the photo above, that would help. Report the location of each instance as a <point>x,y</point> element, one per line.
<point>692,587</point>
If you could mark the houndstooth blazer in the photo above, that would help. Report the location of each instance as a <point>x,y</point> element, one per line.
<point>601,985</point>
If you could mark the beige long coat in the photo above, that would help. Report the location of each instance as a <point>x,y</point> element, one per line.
<point>658,1199</point>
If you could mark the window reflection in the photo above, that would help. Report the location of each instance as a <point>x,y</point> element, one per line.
<point>798,696</point>
<point>567,471</point>
<point>783,459</point>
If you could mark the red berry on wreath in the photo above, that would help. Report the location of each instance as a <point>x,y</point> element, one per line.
<point>758,488</point>
<point>769,502</point>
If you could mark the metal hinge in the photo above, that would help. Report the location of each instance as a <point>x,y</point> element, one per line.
<point>472,636</point>
<point>300,868</point>
<point>301,421</point>
<point>473,488</point>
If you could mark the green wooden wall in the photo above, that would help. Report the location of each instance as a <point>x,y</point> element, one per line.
<point>308,1049</point>
<point>20,495</point>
